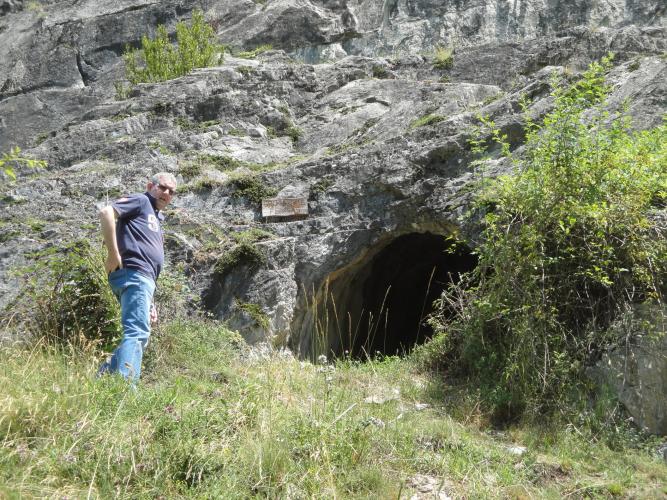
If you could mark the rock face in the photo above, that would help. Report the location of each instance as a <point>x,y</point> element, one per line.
<point>637,370</point>
<point>347,110</point>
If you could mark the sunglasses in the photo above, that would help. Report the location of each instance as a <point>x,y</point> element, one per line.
<point>167,189</point>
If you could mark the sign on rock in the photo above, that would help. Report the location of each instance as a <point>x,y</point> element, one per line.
<point>284,207</point>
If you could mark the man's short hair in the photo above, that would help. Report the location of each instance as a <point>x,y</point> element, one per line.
<point>163,175</point>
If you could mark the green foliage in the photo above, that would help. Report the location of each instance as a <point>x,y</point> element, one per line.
<point>36,225</point>
<point>159,60</point>
<point>443,57</point>
<point>212,419</point>
<point>173,297</point>
<point>159,147</point>
<point>321,186</point>
<point>41,138</point>
<point>380,71</point>
<point>566,245</point>
<point>287,128</point>
<point>66,298</point>
<point>252,235</point>
<point>252,188</point>
<point>110,193</point>
<point>227,163</point>
<point>36,8</point>
<point>11,160</point>
<point>245,70</point>
<point>243,254</point>
<point>293,132</point>
<point>237,132</point>
<point>255,312</point>
<point>122,90</point>
<point>189,169</point>
<point>185,124</point>
<point>202,184</point>
<point>248,184</point>
<point>191,346</point>
<point>429,119</point>
<point>252,54</point>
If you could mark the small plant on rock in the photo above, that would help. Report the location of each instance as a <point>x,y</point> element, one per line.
<point>255,312</point>
<point>159,60</point>
<point>252,54</point>
<point>252,188</point>
<point>11,160</point>
<point>242,254</point>
<point>443,57</point>
<point>426,120</point>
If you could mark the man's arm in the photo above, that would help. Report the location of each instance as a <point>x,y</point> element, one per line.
<point>108,218</point>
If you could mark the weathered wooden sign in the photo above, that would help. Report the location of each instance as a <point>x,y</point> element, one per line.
<point>284,207</point>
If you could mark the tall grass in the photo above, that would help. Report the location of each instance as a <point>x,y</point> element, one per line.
<point>214,418</point>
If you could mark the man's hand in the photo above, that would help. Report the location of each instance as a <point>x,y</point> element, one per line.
<point>113,262</point>
<point>153,315</point>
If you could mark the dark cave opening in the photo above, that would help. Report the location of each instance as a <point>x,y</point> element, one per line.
<point>405,278</point>
<point>382,302</point>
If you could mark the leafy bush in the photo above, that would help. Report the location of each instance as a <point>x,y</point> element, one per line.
<point>13,159</point>
<point>67,299</point>
<point>159,60</point>
<point>443,58</point>
<point>244,253</point>
<point>566,244</point>
<point>252,188</point>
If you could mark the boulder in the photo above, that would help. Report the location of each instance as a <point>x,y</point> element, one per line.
<point>636,370</point>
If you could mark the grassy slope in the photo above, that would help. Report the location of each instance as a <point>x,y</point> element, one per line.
<point>214,419</point>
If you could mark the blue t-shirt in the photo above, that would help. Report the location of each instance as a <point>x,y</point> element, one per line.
<point>139,234</point>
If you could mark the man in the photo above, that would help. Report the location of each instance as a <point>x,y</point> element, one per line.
<point>135,255</point>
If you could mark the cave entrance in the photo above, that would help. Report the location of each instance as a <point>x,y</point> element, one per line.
<point>379,304</point>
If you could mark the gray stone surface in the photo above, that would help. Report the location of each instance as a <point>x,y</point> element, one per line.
<point>637,370</point>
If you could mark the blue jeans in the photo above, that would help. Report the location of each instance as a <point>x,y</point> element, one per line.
<point>134,291</point>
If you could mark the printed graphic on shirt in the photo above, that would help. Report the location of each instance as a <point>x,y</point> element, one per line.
<point>152,223</point>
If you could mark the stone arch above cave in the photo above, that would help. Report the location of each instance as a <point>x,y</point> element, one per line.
<point>379,302</point>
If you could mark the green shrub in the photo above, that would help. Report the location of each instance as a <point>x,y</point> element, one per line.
<point>66,298</point>
<point>189,169</point>
<point>245,70</point>
<point>443,58</point>
<point>122,90</point>
<point>566,245</point>
<point>10,160</point>
<point>226,163</point>
<point>242,254</point>
<point>159,60</point>
<point>252,188</point>
<point>255,312</point>
<point>379,71</point>
<point>294,133</point>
